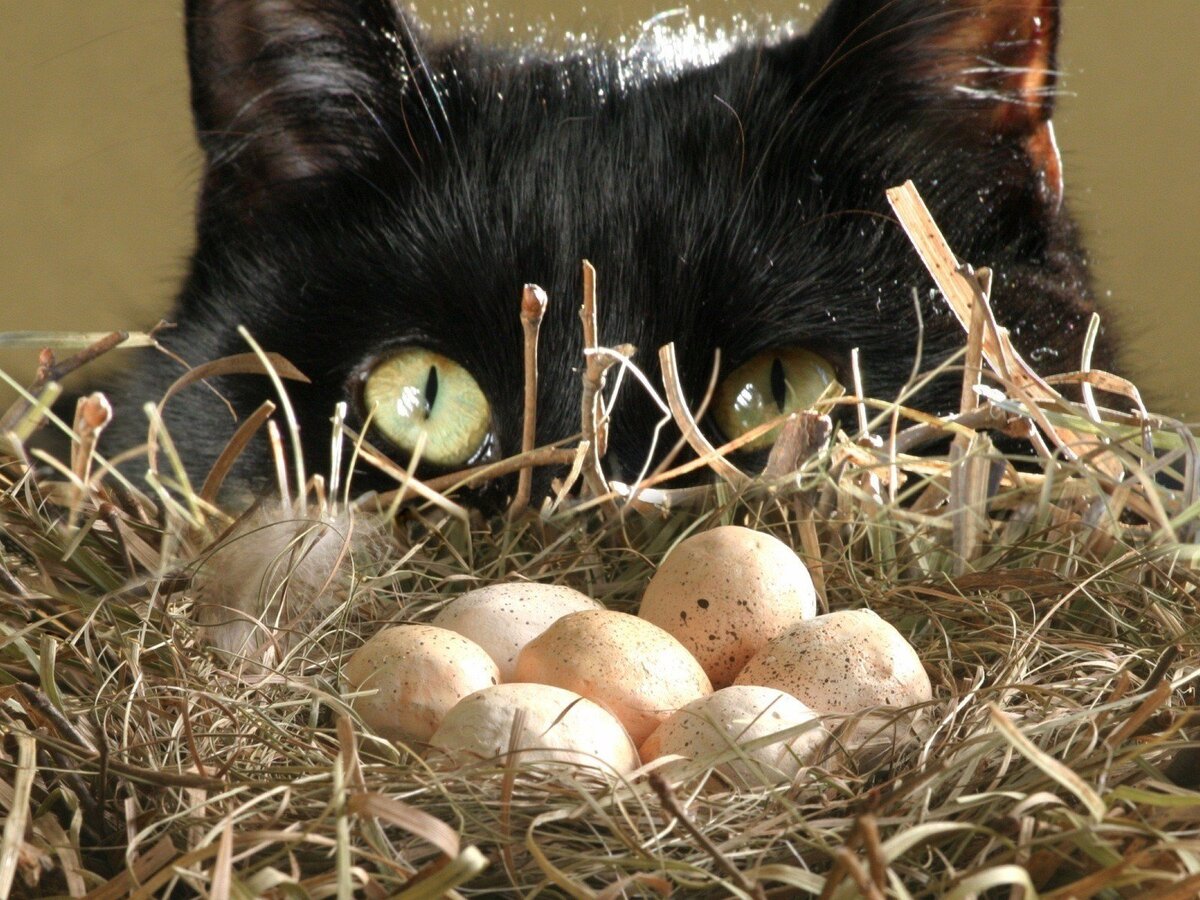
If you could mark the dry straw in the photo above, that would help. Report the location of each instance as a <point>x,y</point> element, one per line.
<point>1054,604</point>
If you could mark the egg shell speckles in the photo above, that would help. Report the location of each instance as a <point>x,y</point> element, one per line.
<point>628,665</point>
<point>418,673</point>
<point>726,592</point>
<point>735,716</point>
<point>559,726</point>
<point>503,618</point>
<point>842,663</point>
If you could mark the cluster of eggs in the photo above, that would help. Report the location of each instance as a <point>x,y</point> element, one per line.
<point>725,651</point>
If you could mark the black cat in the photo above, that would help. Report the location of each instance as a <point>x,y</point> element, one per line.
<point>373,202</point>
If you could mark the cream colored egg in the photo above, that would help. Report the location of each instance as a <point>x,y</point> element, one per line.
<point>843,662</point>
<point>417,673</point>
<point>729,720</point>
<point>503,618</point>
<point>628,665</point>
<point>726,592</point>
<point>558,726</point>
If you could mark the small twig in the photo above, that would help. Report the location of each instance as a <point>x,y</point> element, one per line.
<point>408,482</point>
<point>542,456</point>
<point>837,874</point>
<point>41,704</point>
<point>50,370</point>
<point>673,807</point>
<point>595,429</point>
<point>533,308</point>
<point>799,438</point>
<point>39,701</point>
<point>59,370</point>
<point>869,829</point>
<point>691,465</point>
<point>92,415</point>
<point>985,417</point>
<point>856,871</point>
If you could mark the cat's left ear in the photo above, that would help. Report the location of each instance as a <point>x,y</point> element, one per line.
<point>993,61</point>
<point>286,91</point>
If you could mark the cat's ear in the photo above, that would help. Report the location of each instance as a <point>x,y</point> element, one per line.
<point>289,90</point>
<point>993,59</point>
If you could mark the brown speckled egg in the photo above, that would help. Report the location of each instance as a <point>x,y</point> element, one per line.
<point>842,663</point>
<point>503,618</point>
<point>732,718</point>
<point>631,667</point>
<point>559,726</point>
<point>418,672</point>
<point>726,592</point>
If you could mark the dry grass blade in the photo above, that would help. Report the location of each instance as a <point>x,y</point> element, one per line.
<point>50,370</point>
<point>1050,766</point>
<point>91,341</point>
<point>13,835</point>
<point>234,448</point>
<point>144,866</point>
<point>687,424</point>
<point>963,291</point>
<point>409,818</point>
<point>674,808</point>
<point>238,364</point>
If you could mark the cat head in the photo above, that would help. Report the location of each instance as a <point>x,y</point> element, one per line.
<point>373,203</point>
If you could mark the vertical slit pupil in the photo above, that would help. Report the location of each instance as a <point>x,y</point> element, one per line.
<point>778,384</point>
<point>431,387</point>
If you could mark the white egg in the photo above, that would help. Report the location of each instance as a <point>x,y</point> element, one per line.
<point>842,662</point>
<point>558,726</point>
<point>740,719</point>
<point>628,665</point>
<point>726,592</point>
<point>414,674</point>
<point>503,618</point>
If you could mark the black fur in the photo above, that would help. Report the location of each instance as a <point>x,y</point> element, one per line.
<point>365,189</point>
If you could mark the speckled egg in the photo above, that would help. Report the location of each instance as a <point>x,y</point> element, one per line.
<point>559,726</point>
<point>503,618</point>
<point>842,663</point>
<point>628,665</point>
<point>731,718</point>
<point>726,592</point>
<point>417,672</point>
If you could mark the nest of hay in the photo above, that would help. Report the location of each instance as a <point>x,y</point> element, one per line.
<point>1055,605</point>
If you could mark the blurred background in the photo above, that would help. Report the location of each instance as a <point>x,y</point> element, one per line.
<point>98,165</point>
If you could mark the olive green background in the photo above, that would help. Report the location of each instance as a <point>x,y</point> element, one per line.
<point>98,165</point>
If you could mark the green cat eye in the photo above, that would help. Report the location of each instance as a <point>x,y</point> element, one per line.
<point>770,385</point>
<point>416,390</point>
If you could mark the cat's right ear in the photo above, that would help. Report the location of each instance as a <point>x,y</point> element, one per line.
<point>987,66</point>
<point>285,92</point>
